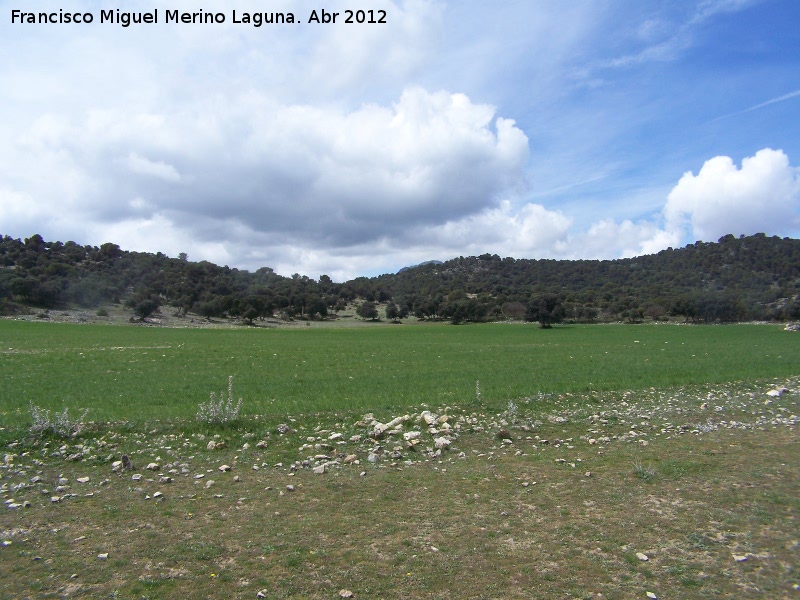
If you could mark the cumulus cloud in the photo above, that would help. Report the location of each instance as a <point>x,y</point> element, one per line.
<point>761,196</point>
<point>299,173</point>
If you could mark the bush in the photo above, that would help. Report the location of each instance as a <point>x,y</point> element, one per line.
<point>220,411</point>
<point>61,425</point>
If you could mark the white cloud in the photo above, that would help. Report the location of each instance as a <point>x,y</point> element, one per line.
<point>761,196</point>
<point>144,166</point>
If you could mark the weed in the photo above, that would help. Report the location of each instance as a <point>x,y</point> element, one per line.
<point>643,472</point>
<point>220,412</point>
<point>511,410</point>
<point>61,425</point>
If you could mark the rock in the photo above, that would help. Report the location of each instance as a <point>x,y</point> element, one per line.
<point>283,429</point>
<point>373,458</point>
<point>740,557</point>
<point>411,435</point>
<point>157,495</point>
<point>320,470</point>
<point>212,445</point>
<point>82,480</point>
<point>103,556</point>
<point>345,594</point>
<point>289,488</point>
<point>442,443</point>
<point>777,392</point>
<point>350,459</point>
<point>153,466</point>
<point>262,594</point>
<point>136,477</point>
<point>643,557</point>
<point>209,483</point>
<point>261,445</point>
<point>652,596</point>
<point>225,468</point>
<point>428,417</point>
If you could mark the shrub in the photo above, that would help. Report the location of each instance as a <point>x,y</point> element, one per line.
<point>220,411</point>
<point>60,425</point>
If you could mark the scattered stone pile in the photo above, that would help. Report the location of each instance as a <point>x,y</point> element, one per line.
<point>640,417</point>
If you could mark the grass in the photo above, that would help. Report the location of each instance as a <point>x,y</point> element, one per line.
<point>500,521</point>
<point>143,374</point>
<point>650,440</point>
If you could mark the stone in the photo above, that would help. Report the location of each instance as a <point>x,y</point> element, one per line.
<point>652,596</point>
<point>740,557</point>
<point>103,556</point>
<point>350,459</point>
<point>372,458</point>
<point>428,417</point>
<point>153,466</point>
<point>643,557</point>
<point>442,443</point>
<point>209,483</point>
<point>289,488</point>
<point>212,445</point>
<point>82,480</point>
<point>411,435</point>
<point>262,594</point>
<point>261,445</point>
<point>345,594</point>
<point>320,469</point>
<point>136,477</point>
<point>777,392</point>
<point>225,468</point>
<point>283,429</point>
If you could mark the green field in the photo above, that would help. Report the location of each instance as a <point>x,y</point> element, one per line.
<point>145,373</point>
<point>634,462</point>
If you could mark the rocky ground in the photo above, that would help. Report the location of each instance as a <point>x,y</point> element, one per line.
<point>571,427</point>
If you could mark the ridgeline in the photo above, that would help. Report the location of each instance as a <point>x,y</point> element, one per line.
<point>735,279</point>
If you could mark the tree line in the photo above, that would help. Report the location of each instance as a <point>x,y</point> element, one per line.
<point>734,279</point>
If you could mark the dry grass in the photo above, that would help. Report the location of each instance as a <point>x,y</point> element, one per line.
<point>561,518</point>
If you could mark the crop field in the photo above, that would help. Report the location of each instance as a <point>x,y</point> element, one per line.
<point>596,462</point>
<point>142,374</point>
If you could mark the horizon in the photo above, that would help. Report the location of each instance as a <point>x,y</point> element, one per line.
<point>370,276</point>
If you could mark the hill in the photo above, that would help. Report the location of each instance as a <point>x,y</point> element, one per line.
<point>735,279</point>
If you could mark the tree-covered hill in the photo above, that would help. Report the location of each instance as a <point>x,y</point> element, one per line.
<point>745,278</point>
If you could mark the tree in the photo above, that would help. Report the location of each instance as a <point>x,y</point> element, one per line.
<point>145,308</point>
<point>396,312</point>
<point>368,310</point>
<point>547,310</point>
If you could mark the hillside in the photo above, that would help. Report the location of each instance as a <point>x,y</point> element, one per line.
<point>734,279</point>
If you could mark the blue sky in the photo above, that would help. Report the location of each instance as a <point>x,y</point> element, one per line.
<point>581,129</point>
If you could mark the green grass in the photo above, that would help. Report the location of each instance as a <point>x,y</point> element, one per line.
<point>142,374</point>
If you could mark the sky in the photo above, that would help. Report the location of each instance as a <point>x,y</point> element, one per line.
<point>532,129</point>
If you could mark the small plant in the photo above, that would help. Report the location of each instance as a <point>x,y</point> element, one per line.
<point>220,411</point>
<point>512,409</point>
<point>643,472</point>
<point>60,425</point>
<point>101,312</point>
